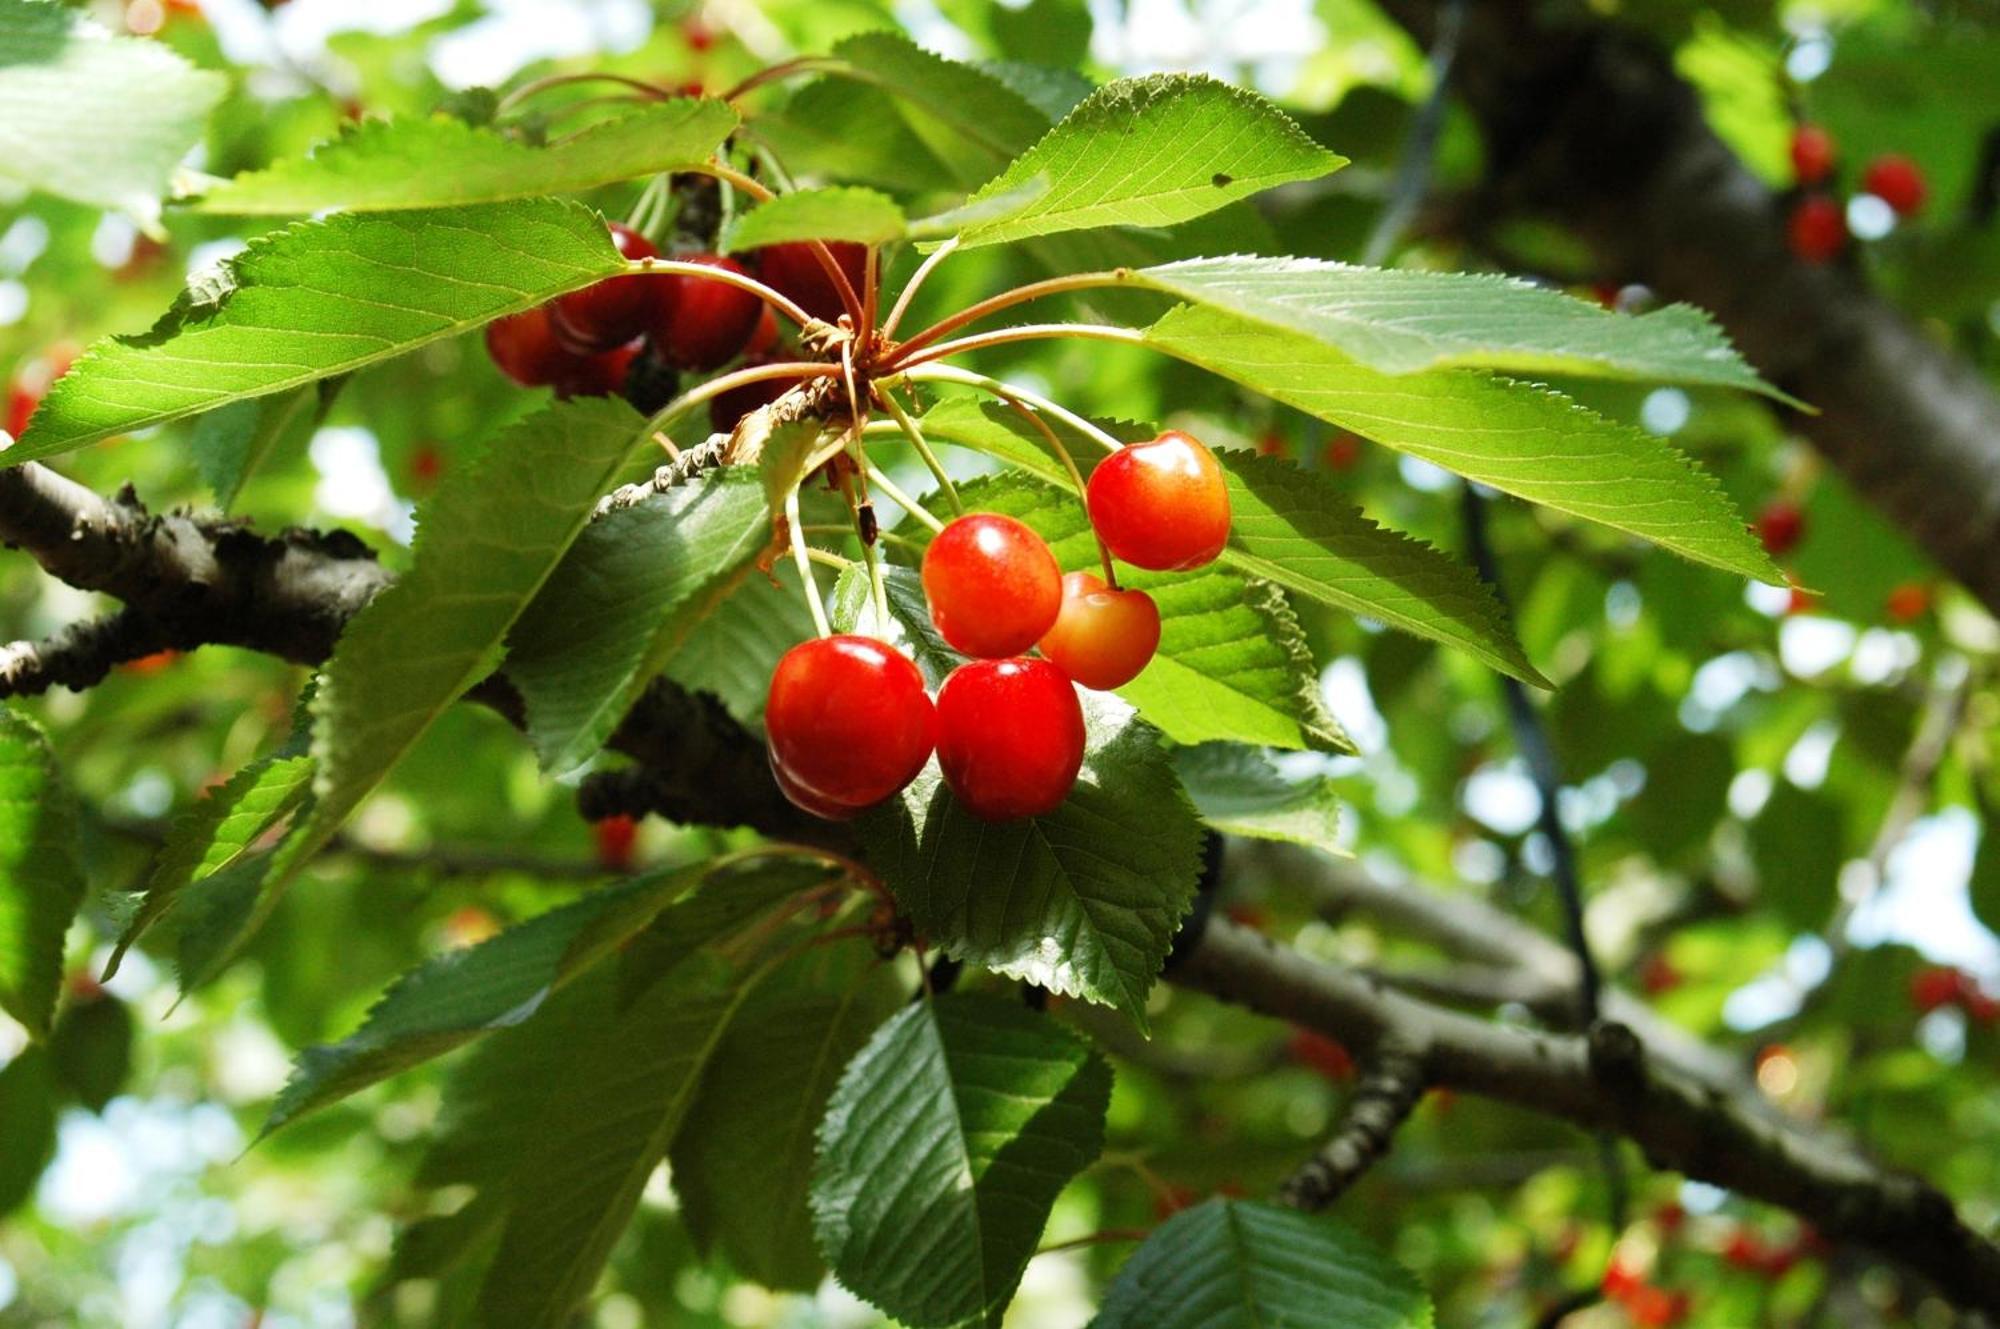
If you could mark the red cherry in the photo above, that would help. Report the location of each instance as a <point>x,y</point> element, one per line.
<point>1908,602</point>
<point>1658,975</point>
<point>848,724</point>
<point>1621,1281</point>
<point>1934,988</point>
<point>426,465</point>
<point>1272,444</point>
<point>615,835</point>
<point>614,311</point>
<point>151,664</point>
<point>1780,526</point>
<point>1799,600</point>
<point>1316,1052</point>
<point>21,404</point>
<point>1343,450</point>
<point>795,270</point>
<point>1010,737</point>
<point>702,324</point>
<point>1897,181</point>
<point>525,347</point>
<point>1102,638</point>
<point>1161,505</point>
<point>1817,229</point>
<point>993,586</point>
<point>597,375</point>
<point>764,336</point>
<point>1656,1308</point>
<point>1812,154</point>
<point>726,408</point>
<point>1745,1251</point>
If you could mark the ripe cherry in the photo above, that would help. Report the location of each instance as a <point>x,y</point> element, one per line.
<point>1161,505</point>
<point>993,586</point>
<point>1102,637</point>
<point>702,324</point>
<point>597,375</point>
<point>616,837</point>
<point>1812,155</point>
<point>1908,602</point>
<point>1343,451</point>
<point>614,311</point>
<point>847,723</point>
<point>1897,181</point>
<point>1816,229</point>
<point>1316,1052</point>
<point>426,467</point>
<point>1010,737</point>
<point>1780,526</point>
<point>795,270</point>
<point>524,346</point>
<point>21,404</point>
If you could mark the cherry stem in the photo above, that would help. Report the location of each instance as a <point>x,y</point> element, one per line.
<point>1098,1238</point>
<point>870,298</point>
<point>1041,426</point>
<point>667,416</point>
<point>1024,332</point>
<point>903,500</point>
<point>541,85</point>
<point>953,374</point>
<point>803,557</point>
<point>923,447</point>
<point>709,272</point>
<point>993,304</point>
<point>876,590</point>
<point>916,281</point>
<point>827,558</point>
<point>804,64</point>
<point>763,193</point>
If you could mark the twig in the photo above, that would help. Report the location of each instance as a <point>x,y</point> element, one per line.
<point>1384,1097</point>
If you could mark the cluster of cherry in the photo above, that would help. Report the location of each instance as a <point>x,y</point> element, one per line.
<point>1816,228</point>
<point>638,332</point>
<point>848,720</point>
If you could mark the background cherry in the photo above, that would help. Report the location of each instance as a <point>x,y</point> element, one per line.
<point>597,375</point>
<point>1009,737</point>
<point>612,312</point>
<point>1812,154</point>
<point>702,324</point>
<point>994,588</point>
<point>1897,181</point>
<point>847,723</point>
<point>1102,638</point>
<point>1816,230</point>
<point>796,271</point>
<point>1161,505</point>
<point>1780,526</point>
<point>524,346</point>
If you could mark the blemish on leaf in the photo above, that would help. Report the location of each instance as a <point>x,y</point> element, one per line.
<point>1222,179</point>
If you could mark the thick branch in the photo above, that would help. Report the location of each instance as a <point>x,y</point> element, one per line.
<point>1387,1093</point>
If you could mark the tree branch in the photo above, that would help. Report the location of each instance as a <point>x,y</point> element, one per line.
<point>80,655</point>
<point>1383,1099</point>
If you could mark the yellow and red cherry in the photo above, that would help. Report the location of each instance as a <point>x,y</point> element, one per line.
<point>1161,505</point>
<point>795,270</point>
<point>612,312</point>
<point>847,724</point>
<point>1103,637</point>
<point>1009,737</point>
<point>993,586</point>
<point>703,324</point>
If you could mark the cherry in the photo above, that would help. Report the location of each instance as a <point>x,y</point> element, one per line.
<point>993,586</point>
<point>1161,505</point>
<point>426,466</point>
<point>597,375</point>
<point>1935,988</point>
<point>1780,526</point>
<point>848,724</point>
<point>151,664</point>
<point>524,346</point>
<point>702,324</point>
<point>1653,1307</point>
<point>1816,229</point>
<point>795,270</point>
<point>1658,975</point>
<point>1908,602</point>
<point>763,337</point>
<point>1102,637</point>
<point>1745,1251</point>
<point>1812,155</point>
<point>1897,181</point>
<point>614,311</point>
<point>21,404</point>
<point>616,836</point>
<point>1010,737</point>
<point>1316,1052</point>
<point>725,409</point>
<point>1343,451</point>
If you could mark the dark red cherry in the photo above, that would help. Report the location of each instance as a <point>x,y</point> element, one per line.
<point>1816,230</point>
<point>1009,737</point>
<point>847,724</point>
<point>1102,638</point>
<point>795,270</point>
<point>702,324</point>
<point>1780,527</point>
<point>1897,181</point>
<point>1812,155</point>
<point>993,586</point>
<point>614,311</point>
<point>597,375</point>
<point>525,347</point>
<point>1162,504</point>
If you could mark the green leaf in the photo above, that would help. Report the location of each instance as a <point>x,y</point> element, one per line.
<point>1151,151</point>
<point>838,212</point>
<point>624,600</point>
<point>973,122</point>
<point>1239,790</point>
<point>317,299</point>
<point>440,161</point>
<point>41,883</point>
<point>910,626</point>
<point>216,834</point>
<point>733,650</point>
<point>1295,529</point>
<point>466,993</point>
<point>232,442</point>
<point>87,116</point>
<point>1521,439</point>
<point>91,1048</point>
<point>744,1157</point>
<point>944,1147</point>
<point>1403,321</point>
<point>1985,884</point>
<point>1242,1264</point>
<point>1084,901</point>
<point>27,1124</point>
<point>1797,843</point>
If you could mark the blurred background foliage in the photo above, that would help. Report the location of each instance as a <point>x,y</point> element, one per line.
<point>1783,802</point>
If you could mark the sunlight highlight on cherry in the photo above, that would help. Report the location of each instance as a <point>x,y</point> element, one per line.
<point>1162,505</point>
<point>1009,737</point>
<point>848,724</point>
<point>994,588</point>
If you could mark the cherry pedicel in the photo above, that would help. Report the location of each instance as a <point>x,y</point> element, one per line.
<point>1161,505</point>
<point>726,409</point>
<point>1009,737</point>
<point>1812,155</point>
<point>1102,638</point>
<point>993,586</point>
<point>702,324</point>
<point>1816,229</point>
<point>795,270</point>
<point>1897,181</point>
<point>614,311</point>
<point>848,724</point>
